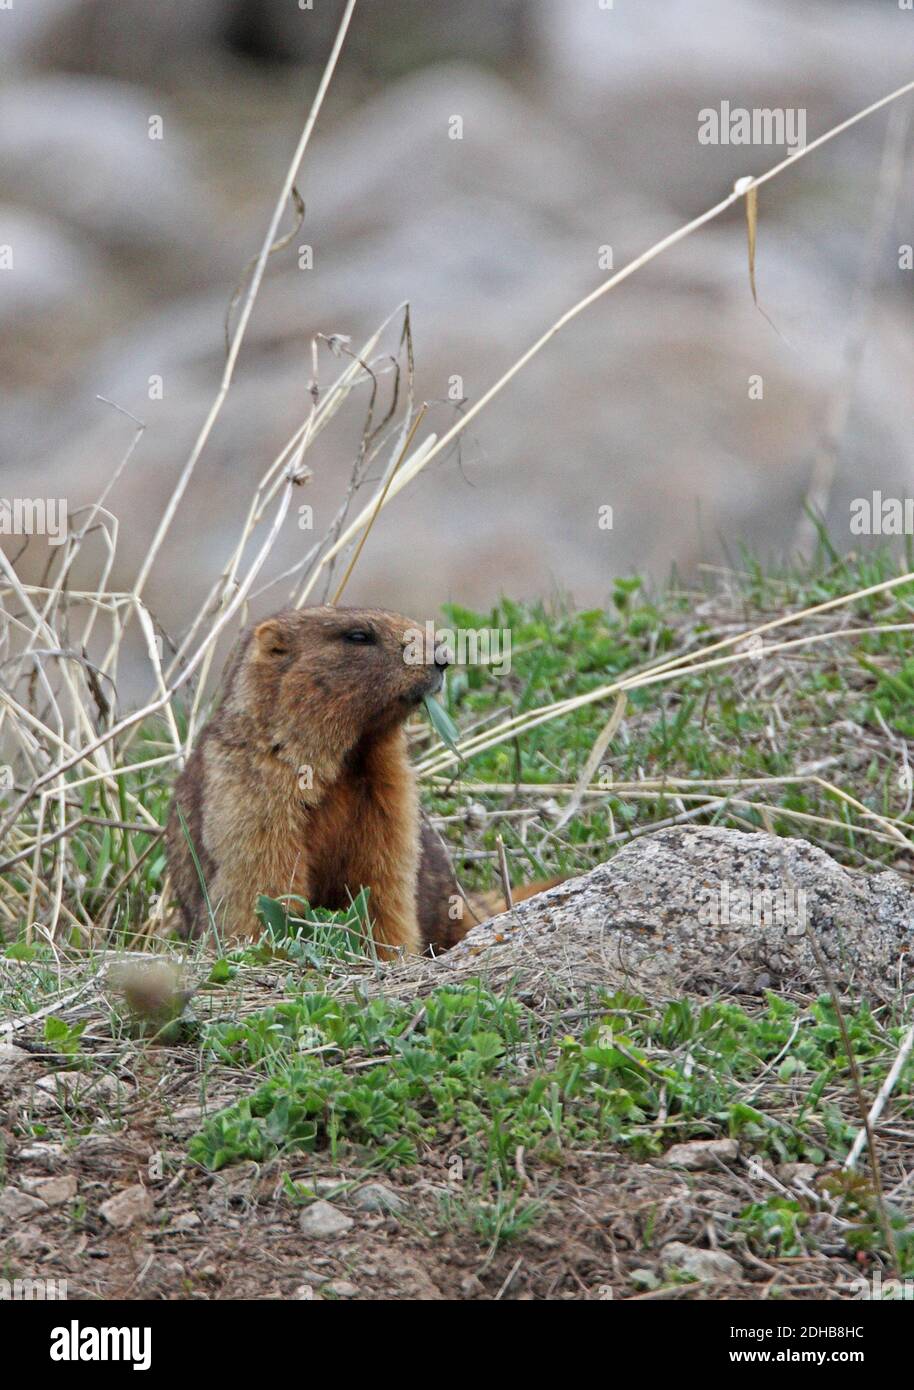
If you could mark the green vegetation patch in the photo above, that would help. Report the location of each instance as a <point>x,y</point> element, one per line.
<point>473,1071</point>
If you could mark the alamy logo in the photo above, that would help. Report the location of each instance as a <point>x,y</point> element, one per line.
<point>34,516</point>
<point>75,1343</point>
<point>735,125</point>
<point>32,1290</point>
<point>876,1291</point>
<point>882,516</point>
<point>738,907</point>
<point>486,646</point>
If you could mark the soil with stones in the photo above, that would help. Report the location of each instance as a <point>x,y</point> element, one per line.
<point>98,1189</point>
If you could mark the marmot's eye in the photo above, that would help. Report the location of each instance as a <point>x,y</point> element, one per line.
<point>358,634</point>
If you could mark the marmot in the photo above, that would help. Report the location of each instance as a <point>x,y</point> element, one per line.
<point>301,783</point>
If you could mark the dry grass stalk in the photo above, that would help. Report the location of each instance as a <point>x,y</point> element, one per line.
<point>58,711</point>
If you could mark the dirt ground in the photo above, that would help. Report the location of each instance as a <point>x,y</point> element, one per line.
<point>190,1234</point>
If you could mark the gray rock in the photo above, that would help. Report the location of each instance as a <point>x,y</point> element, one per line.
<point>53,1191</point>
<point>701,1153</point>
<point>133,1204</point>
<point>78,148</point>
<point>341,1288</point>
<point>652,919</point>
<point>28,1242</point>
<point>329,1187</point>
<point>49,268</point>
<point>12,1056</point>
<point>706,1265</point>
<point>323,1221</point>
<point>16,1205</point>
<point>376,1197</point>
<point>48,1156</point>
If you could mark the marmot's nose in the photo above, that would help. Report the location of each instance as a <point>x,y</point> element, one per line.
<point>442,657</point>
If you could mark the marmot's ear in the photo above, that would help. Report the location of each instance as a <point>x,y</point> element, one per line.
<point>270,639</point>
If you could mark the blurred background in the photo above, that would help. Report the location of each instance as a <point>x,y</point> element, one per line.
<point>579,144</point>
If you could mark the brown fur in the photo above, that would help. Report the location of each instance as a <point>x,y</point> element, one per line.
<point>299,694</point>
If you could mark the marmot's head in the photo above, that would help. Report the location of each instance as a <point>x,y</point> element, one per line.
<point>323,679</point>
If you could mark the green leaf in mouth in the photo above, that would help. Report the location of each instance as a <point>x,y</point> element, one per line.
<point>442,723</point>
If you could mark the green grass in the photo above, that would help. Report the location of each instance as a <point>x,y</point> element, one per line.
<point>700,726</point>
<point>478,1076</point>
<point>706,725</point>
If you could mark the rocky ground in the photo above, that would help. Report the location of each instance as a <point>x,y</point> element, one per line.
<point>100,1190</point>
